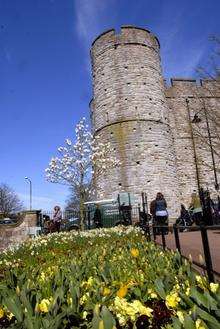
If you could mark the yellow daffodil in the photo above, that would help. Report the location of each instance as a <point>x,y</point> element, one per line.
<point>106,291</point>
<point>214,287</point>
<point>44,305</point>
<point>17,290</point>
<point>172,300</point>
<point>2,313</point>
<point>101,324</point>
<point>122,292</point>
<point>69,301</point>
<point>201,259</point>
<point>90,281</point>
<point>84,298</point>
<point>201,281</point>
<point>199,324</point>
<point>84,315</point>
<point>187,291</point>
<point>134,252</point>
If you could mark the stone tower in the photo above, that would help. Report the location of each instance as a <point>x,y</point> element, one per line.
<point>129,109</point>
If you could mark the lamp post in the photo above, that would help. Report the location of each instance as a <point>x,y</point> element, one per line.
<point>28,179</point>
<point>194,145</point>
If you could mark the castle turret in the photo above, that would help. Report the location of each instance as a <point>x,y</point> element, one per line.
<point>129,109</point>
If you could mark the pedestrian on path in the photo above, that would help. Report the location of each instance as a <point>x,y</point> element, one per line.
<point>196,208</point>
<point>158,209</point>
<point>56,220</point>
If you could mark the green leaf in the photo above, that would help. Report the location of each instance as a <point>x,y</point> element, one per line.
<point>188,323</point>
<point>95,322</point>
<point>207,317</point>
<point>137,292</point>
<point>107,317</point>
<point>14,306</point>
<point>200,298</point>
<point>159,287</point>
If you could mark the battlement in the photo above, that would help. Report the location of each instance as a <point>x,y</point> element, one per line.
<point>129,34</point>
<point>183,87</point>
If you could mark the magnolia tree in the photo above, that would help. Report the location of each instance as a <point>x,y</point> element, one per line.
<point>77,162</point>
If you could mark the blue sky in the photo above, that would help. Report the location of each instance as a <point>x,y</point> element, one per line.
<point>45,80</point>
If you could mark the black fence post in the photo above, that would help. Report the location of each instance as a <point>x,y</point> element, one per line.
<point>163,237</point>
<point>207,254</point>
<point>177,239</point>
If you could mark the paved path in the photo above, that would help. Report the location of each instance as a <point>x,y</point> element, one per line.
<point>191,243</point>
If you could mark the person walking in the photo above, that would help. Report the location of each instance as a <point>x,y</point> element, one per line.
<point>56,220</point>
<point>158,209</point>
<point>196,208</point>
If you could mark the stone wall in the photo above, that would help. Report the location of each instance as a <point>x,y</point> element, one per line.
<point>16,233</point>
<point>204,94</point>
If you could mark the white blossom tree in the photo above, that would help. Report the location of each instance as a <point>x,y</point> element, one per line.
<point>77,162</point>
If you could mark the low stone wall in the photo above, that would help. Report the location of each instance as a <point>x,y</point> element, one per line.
<point>16,233</point>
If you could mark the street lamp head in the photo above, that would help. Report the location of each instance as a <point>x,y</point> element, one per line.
<point>196,119</point>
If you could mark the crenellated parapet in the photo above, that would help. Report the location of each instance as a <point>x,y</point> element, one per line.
<point>183,87</point>
<point>129,35</point>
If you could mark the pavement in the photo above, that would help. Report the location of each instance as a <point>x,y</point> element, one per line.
<point>191,244</point>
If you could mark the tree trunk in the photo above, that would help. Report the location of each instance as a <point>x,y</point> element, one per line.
<point>81,211</point>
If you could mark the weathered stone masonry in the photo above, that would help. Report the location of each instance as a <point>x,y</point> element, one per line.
<point>133,109</point>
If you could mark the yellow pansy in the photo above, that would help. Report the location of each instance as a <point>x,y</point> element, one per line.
<point>152,293</point>
<point>214,287</point>
<point>134,252</point>
<point>140,308</point>
<point>180,316</point>
<point>172,300</point>
<point>2,313</point>
<point>10,315</point>
<point>122,292</point>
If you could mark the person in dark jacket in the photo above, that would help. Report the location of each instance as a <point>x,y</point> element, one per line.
<point>97,217</point>
<point>56,220</point>
<point>158,209</point>
<point>184,219</point>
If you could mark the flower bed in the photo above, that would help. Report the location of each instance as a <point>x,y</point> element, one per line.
<point>107,278</point>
